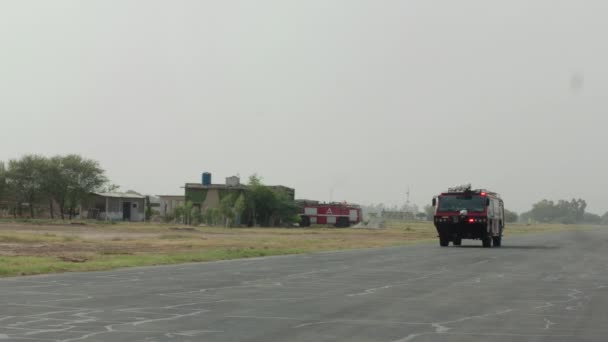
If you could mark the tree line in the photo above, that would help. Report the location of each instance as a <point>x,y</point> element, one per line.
<point>60,182</point>
<point>564,212</point>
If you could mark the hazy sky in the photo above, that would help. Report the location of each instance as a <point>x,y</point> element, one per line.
<point>362,97</point>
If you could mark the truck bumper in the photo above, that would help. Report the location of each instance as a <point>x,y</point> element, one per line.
<point>463,230</point>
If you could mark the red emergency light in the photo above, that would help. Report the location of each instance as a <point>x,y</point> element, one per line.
<point>471,220</point>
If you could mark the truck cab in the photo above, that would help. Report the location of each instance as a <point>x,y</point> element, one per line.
<point>464,213</point>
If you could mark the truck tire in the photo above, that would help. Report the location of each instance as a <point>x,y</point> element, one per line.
<point>305,221</point>
<point>486,242</point>
<point>457,241</point>
<point>496,241</point>
<point>342,223</point>
<point>443,241</point>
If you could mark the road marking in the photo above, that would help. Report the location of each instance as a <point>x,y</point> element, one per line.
<point>548,324</point>
<point>374,289</point>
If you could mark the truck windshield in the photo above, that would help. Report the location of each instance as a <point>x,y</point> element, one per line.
<point>457,203</point>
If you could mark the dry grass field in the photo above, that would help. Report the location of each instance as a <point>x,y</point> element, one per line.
<point>47,246</point>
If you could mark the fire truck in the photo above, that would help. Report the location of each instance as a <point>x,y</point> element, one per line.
<point>341,215</point>
<point>464,213</point>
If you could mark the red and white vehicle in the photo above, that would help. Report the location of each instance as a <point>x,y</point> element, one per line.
<point>339,214</point>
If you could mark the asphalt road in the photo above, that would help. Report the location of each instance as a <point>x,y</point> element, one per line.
<point>545,287</point>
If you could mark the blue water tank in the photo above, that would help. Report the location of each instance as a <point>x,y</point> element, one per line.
<point>206,178</point>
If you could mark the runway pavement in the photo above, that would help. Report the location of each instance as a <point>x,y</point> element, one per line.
<point>541,287</point>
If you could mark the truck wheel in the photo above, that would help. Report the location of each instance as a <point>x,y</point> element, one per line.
<point>486,242</point>
<point>457,241</point>
<point>497,241</point>
<point>342,222</point>
<point>443,241</point>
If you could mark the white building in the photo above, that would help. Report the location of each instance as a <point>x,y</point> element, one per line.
<point>114,206</point>
<point>168,203</point>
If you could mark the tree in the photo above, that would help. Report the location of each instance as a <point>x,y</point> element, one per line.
<point>253,186</point>
<point>196,215</point>
<point>70,179</point>
<point>226,209</point>
<point>544,211</point>
<point>183,212</point>
<point>285,209</point>
<point>212,216</point>
<point>511,216</point>
<point>267,206</point>
<point>6,194</point>
<point>590,218</point>
<point>421,216</point>
<point>260,201</point>
<point>3,185</point>
<point>34,180</point>
<point>566,212</point>
<point>239,208</point>
<point>109,187</point>
<point>53,182</point>
<point>80,176</point>
<point>26,178</point>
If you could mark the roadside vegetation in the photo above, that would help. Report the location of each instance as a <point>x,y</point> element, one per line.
<point>53,246</point>
<point>563,212</point>
<point>60,183</point>
<point>39,187</point>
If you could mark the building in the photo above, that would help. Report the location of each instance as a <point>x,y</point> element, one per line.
<point>206,195</point>
<point>209,196</point>
<point>153,202</point>
<point>168,203</point>
<point>114,206</point>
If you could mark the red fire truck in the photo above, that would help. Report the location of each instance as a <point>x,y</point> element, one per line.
<point>340,215</point>
<point>463,213</point>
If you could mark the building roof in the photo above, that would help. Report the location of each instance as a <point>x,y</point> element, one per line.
<point>233,187</point>
<point>119,195</point>
<point>215,186</point>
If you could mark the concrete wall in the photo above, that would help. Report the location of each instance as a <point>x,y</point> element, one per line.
<point>212,200</point>
<point>137,213</point>
<point>169,203</point>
